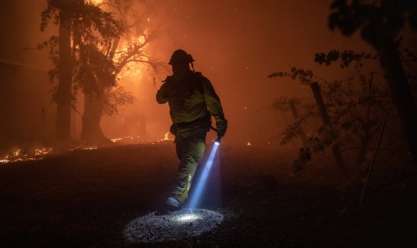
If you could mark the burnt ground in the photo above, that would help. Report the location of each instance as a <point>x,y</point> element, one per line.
<point>86,198</point>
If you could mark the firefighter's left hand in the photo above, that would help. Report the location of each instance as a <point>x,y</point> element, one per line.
<point>221,129</point>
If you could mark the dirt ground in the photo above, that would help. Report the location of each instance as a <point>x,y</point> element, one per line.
<point>86,198</point>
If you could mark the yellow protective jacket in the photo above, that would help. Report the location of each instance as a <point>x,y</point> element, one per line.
<point>192,100</point>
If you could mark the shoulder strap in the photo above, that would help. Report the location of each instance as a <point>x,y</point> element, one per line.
<point>198,80</point>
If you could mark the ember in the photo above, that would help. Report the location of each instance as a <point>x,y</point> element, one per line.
<point>19,155</point>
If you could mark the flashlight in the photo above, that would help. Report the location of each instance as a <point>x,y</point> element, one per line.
<point>202,180</point>
<point>218,137</point>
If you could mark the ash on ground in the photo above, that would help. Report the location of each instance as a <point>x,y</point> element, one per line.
<point>177,225</point>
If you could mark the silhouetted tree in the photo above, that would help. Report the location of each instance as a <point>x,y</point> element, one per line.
<point>81,27</point>
<point>380,23</point>
<point>101,62</point>
<point>60,11</point>
<point>351,110</point>
<point>96,76</point>
<point>93,41</point>
<point>292,105</point>
<point>307,78</point>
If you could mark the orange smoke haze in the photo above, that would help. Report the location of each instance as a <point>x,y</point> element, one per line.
<point>235,43</point>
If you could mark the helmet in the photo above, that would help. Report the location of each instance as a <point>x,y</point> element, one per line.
<point>181,57</point>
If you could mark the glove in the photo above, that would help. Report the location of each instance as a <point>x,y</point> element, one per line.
<point>221,126</point>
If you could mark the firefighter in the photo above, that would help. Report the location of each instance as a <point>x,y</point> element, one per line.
<point>192,102</point>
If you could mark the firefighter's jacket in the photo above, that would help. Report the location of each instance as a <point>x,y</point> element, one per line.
<point>192,100</point>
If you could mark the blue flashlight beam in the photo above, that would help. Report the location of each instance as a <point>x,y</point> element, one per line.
<point>202,180</point>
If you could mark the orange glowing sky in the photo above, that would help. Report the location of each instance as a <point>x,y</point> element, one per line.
<point>235,43</point>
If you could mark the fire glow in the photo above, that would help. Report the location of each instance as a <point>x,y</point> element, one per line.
<point>96,2</point>
<point>19,155</point>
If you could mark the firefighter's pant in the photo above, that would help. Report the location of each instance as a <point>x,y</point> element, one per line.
<point>189,151</point>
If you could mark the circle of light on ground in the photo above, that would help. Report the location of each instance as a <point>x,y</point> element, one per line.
<point>174,226</point>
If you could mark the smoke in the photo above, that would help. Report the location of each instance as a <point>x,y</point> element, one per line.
<point>235,43</point>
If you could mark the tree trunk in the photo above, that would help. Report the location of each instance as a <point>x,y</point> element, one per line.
<point>402,96</point>
<point>91,132</point>
<point>295,115</point>
<point>64,91</point>
<point>366,138</point>
<point>315,87</point>
<point>363,152</point>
